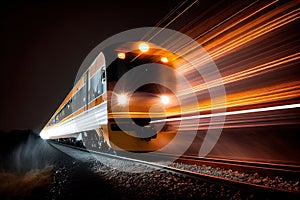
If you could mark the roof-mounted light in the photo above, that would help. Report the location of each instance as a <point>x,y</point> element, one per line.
<point>164,59</point>
<point>121,55</point>
<point>144,47</point>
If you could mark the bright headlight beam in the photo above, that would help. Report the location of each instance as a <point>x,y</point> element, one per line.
<point>122,99</point>
<point>165,99</point>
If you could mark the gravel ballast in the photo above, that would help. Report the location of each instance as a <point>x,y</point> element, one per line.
<point>134,181</point>
<point>253,178</point>
<point>120,179</point>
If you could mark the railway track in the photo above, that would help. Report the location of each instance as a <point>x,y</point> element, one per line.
<point>265,168</point>
<point>258,189</point>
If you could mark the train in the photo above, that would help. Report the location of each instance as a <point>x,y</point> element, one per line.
<point>101,117</point>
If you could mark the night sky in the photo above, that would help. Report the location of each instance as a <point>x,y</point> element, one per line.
<point>43,44</point>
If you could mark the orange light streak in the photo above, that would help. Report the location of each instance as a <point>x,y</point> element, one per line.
<point>241,36</point>
<point>255,71</point>
<point>244,79</point>
<point>255,33</point>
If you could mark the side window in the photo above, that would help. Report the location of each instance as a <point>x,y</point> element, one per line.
<point>78,100</point>
<point>97,83</point>
<point>83,95</point>
<point>103,79</point>
<point>68,108</point>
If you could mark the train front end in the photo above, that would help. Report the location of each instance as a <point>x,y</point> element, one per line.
<point>141,85</point>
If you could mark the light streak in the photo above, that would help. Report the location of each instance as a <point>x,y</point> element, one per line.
<point>228,27</point>
<point>248,73</point>
<point>236,38</point>
<point>233,24</point>
<point>231,44</point>
<point>85,121</point>
<point>272,108</point>
<point>172,20</point>
<point>165,18</point>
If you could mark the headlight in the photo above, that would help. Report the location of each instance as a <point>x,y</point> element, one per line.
<point>165,99</point>
<point>122,99</point>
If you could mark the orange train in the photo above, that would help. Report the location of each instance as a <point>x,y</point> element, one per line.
<point>101,117</point>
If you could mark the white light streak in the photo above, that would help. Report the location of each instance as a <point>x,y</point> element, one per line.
<point>271,108</point>
<point>89,120</point>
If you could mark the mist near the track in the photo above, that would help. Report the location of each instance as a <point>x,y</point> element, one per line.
<point>26,170</point>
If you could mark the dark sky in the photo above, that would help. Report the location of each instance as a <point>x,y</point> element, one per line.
<point>44,42</point>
